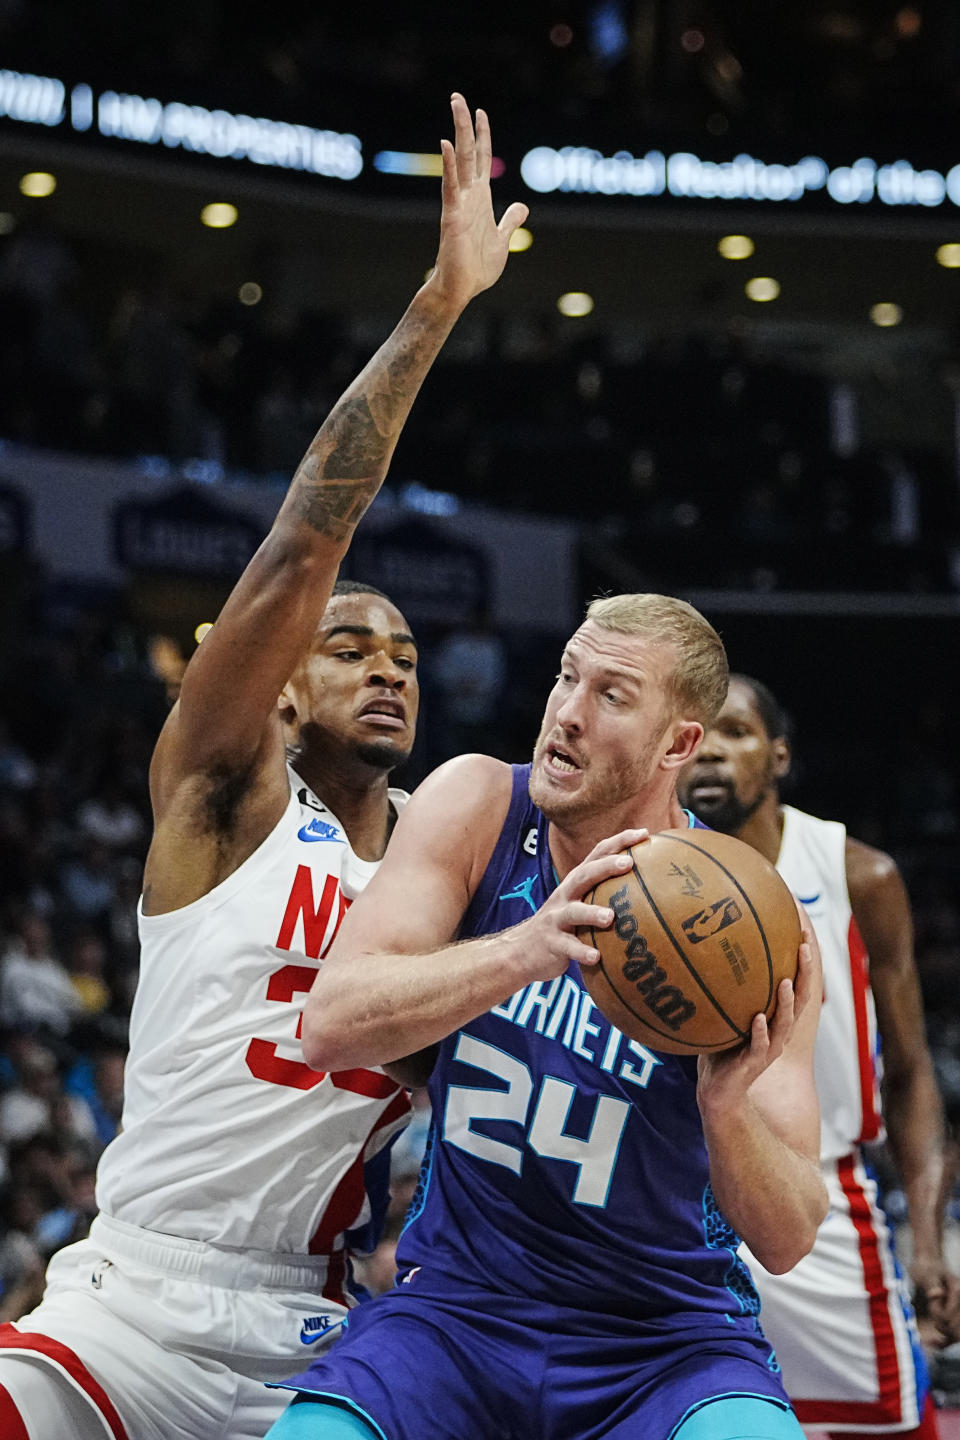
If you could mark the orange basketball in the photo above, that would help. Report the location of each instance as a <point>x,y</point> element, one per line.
<point>704,931</point>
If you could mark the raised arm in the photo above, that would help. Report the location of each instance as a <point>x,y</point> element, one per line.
<point>761,1119</point>
<point>912,1107</point>
<point>393,983</point>
<point>224,727</point>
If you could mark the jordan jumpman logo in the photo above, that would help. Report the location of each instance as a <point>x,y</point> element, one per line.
<point>521,891</point>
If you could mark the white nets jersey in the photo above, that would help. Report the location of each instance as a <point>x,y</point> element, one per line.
<point>812,861</point>
<point>228,1137</point>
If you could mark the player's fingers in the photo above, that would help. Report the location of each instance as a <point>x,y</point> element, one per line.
<point>449,185</point>
<point>465,142</point>
<point>615,843</point>
<point>784,1015</point>
<point>484,147</point>
<point>804,982</point>
<point>512,218</point>
<point>583,954</point>
<point>578,915</point>
<point>592,870</point>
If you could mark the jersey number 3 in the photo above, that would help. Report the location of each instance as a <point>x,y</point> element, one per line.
<point>594,1157</point>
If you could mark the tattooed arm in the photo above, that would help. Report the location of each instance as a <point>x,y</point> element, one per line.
<point>222,736</point>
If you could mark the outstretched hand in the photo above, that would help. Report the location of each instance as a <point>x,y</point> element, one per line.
<point>473,247</point>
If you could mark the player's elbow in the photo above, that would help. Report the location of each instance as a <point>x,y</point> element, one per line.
<point>324,1037</point>
<point>787,1246</point>
<point>781,1256</point>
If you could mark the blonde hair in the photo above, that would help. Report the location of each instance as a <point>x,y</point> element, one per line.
<point>698,682</point>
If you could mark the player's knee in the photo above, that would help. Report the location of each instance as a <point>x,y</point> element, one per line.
<point>739,1417</point>
<point>319,1420</point>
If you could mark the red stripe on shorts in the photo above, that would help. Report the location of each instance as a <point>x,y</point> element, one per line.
<point>887,1409</point>
<point>11,1421</point>
<point>13,1339</point>
<point>346,1202</point>
<point>869,1109</point>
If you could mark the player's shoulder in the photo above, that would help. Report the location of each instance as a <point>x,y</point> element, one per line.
<point>473,782</point>
<point>867,867</point>
<point>454,816</point>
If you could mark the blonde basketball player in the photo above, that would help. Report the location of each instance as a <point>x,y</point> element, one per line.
<point>841,1322</point>
<point>241,1178</point>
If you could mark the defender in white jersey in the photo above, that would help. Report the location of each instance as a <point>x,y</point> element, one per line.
<point>841,1321</point>
<point>241,1177</point>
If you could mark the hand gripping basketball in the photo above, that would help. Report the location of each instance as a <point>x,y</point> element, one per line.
<point>557,934</point>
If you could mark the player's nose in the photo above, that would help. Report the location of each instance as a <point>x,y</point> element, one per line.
<point>386,672</point>
<point>570,713</point>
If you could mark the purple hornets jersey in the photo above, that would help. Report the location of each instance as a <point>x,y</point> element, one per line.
<point>566,1162</point>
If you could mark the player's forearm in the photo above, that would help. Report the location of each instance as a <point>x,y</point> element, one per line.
<point>345,465</point>
<point>772,1195</point>
<point>375,1009</point>
<point>916,1133</point>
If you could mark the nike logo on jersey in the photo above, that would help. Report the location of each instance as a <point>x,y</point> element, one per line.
<point>521,891</point>
<point>809,899</point>
<point>319,830</point>
<point>315,1327</point>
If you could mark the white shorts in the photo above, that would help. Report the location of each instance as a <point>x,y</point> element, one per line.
<point>841,1321</point>
<point>142,1336</point>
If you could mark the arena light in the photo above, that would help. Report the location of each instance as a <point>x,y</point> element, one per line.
<point>219,215</point>
<point>38,184</point>
<point>250,293</point>
<point>735,247</point>
<point>521,239</point>
<point>949,256</point>
<point>420,163</point>
<point>885,313</point>
<point>762,288</point>
<point>575,304</point>
<point>202,630</point>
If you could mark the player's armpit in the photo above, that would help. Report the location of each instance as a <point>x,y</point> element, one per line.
<point>414,1071</point>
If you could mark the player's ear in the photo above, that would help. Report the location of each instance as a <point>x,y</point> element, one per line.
<point>287,704</point>
<point>687,735</point>
<point>781,758</point>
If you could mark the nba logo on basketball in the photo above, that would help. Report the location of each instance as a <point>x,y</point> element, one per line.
<point>709,921</point>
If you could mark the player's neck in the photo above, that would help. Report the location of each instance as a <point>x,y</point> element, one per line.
<point>764,829</point>
<point>571,842</point>
<point>360,801</point>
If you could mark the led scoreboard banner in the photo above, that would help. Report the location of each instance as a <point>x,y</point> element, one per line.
<point>39,100</point>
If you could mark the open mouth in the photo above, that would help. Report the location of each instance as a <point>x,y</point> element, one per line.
<point>385,711</point>
<point>561,762</point>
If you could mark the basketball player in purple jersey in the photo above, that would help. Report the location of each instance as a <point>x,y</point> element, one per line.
<point>569,1267</point>
<point>221,1252</point>
<point>841,1321</point>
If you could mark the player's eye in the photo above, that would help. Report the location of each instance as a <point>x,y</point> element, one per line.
<point>348,655</point>
<point>405,663</point>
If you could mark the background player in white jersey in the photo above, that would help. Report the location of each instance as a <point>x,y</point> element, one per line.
<point>218,1260</point>
<point>841,1321</point>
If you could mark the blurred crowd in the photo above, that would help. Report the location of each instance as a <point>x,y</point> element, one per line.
<point>763,470</point>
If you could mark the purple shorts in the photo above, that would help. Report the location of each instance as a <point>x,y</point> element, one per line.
<point>433,1360</point>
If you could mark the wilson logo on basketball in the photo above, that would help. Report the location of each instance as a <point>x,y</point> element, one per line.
<point>714,918</point>
<point>667,1002</point>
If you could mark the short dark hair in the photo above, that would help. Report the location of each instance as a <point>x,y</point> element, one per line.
<point>776,721</point>
<point>357,587</point>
